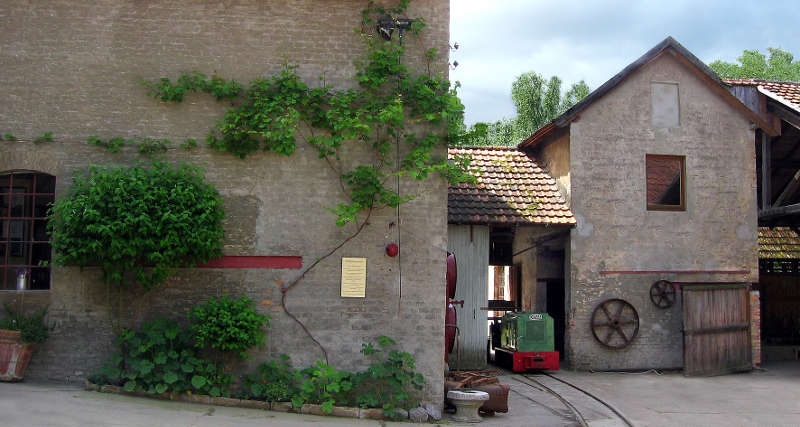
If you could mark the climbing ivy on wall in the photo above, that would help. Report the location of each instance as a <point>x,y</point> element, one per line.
<point>389,108</point>
<point>390,111</point>
<point>144,222</point>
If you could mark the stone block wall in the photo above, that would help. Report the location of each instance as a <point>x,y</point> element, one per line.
<point>616,232</point>
<point>74,69</point>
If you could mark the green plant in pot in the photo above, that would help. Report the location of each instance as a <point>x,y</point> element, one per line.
<point>19,334</point>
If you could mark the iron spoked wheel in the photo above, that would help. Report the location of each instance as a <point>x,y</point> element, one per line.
<point>662,294</point>
<point>615,323</point>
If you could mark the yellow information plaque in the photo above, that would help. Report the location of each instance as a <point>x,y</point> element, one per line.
<point>354,277</point>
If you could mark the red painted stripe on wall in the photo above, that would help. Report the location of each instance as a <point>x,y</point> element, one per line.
<point>293,262</point>
<point>675,272</point>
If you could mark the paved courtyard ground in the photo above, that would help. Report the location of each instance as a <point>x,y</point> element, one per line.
<point>770,397</point>
<point>760,398</point>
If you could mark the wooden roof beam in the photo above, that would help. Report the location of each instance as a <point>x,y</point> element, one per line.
<point>789,190</point>
<point>766,171</point>
<point>790,116</point>
<point>782,211</point>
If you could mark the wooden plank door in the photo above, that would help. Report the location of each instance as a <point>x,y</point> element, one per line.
<point>716,335</point>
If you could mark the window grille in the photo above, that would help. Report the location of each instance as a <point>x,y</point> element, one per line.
<point>25,252</point>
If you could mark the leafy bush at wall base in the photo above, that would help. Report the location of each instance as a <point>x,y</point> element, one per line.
<point>143,220</point>
<point>275,381</point>
<point>324,385</point>
<point>388,383</point>
<point>160,357</point>
<point>228,324</point>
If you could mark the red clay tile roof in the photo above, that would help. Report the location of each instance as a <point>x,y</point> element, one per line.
<point>778,242</point>
<point>789,91</point>
<point>511,189</point>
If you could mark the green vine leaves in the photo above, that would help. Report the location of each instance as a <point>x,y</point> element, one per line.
<point>129,219</point>
<point>389,107</point>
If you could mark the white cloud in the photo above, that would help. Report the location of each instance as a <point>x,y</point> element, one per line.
<point>593,40</point>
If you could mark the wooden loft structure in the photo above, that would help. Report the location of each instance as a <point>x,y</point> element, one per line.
<point>778,154</point>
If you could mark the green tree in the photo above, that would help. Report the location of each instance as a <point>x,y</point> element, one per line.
<point>538,101</point>
<point>500,133</point>
<point>753,64</point>
<point>575,94</point>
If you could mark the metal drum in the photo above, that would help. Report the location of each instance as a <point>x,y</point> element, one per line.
<point>452,275</point>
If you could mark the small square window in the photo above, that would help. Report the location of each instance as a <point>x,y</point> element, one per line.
<point>665,183</point>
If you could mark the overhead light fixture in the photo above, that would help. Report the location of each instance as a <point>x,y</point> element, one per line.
<point>387,25</point>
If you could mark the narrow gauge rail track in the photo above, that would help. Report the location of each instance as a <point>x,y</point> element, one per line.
<point>535,382</point>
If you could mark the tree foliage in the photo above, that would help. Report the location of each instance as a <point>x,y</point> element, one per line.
<point>753,64</point>
<point>228,324</point>
<point>138,220</point>
<point>538,101</point>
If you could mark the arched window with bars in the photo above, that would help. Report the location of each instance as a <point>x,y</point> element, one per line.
<point>25,251</point>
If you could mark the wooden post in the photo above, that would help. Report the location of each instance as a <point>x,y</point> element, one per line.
<point>766,173</point>
<point>499,282</point>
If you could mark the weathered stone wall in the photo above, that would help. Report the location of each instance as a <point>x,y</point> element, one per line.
<point>75,69</point>
<point>524,237</point>
<point>615,231</point>
<point>554,155</point>
<point>538,262</point>
<point>550,263</point>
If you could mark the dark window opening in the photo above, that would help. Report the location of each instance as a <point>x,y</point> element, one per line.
<point>500,246</point>
<point>25,252</point>
<point>665,182</point>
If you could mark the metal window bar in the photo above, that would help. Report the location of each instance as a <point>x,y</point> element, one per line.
<point>28,218</point>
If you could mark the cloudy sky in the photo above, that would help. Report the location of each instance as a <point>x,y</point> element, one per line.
<point>593,40</point>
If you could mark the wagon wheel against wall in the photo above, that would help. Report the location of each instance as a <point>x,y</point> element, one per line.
<point>662,294</point>
<point>615,323</point>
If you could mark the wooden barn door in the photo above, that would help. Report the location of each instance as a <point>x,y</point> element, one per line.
<point>716,329</point>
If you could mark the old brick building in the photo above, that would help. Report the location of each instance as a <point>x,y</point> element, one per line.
<point>75,68</point>
<point>658,167</point>
<point>514,218</point>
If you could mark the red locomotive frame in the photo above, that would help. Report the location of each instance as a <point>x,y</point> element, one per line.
<point>522,361</point>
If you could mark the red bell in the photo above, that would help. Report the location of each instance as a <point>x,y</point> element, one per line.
<point>392,250</point>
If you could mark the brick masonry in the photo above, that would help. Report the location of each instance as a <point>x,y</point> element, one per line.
<point>755,326</point>
<point>75,70</point>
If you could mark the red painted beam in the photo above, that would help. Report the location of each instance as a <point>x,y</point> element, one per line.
<point>293,262</point>
<point>675,272</point>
